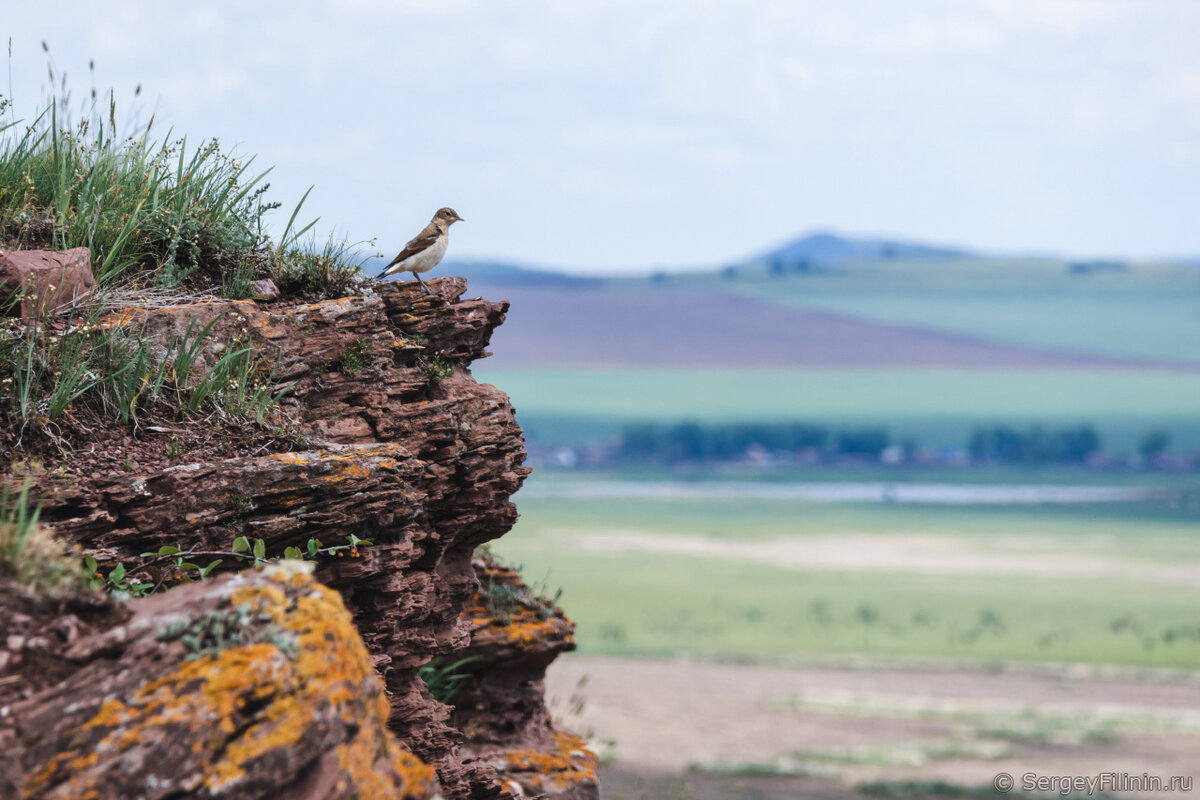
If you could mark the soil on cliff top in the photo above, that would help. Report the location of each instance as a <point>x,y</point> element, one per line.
<point>89,446</point>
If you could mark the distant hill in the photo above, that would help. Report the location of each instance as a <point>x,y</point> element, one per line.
<point>824,246</point>
<point>496,273</point>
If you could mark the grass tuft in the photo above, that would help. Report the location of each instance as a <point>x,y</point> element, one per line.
<point>29,553</point>
<point>159,215</point>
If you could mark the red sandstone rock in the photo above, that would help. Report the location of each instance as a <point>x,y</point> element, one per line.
<point>501,707</point>
<point>264,289</point>
<point>46,281</point>
<point>254,685</point>
<point>403,448</point>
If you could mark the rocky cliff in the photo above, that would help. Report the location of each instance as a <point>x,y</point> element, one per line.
<point>383,435</point>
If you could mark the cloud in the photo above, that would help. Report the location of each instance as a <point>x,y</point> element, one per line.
<point>960,120</point>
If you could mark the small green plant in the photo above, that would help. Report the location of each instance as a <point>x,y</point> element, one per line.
<point>331,271</point>
<point>504,599</point>
<point>355,357</point>
<point>235,282</point>
<point>170,565</point>
<point>213,631</point>
<point>48,372</point>
<point>439,368</point>
<point>118,373</point>
<point>239,504</point>
<point>444,680</point>
<point>250,390</point>
<point>142,377</point>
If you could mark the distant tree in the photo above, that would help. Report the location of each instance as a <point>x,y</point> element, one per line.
<point>641,442</point>
<point>1038,445</point>
<point>802,435</point>
<point>862,442</point>
<point>658,278</point>
<point>1073,445</point>
<point>730,273</point>
<point>693,441</point>
<point>688,442</point>
<point>776,266</point>
<point>997,443</point>
<point>1079,268</point>
<point>1154,443</point>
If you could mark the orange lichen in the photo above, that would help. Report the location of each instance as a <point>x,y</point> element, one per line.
<point>233,707</point>
<point>570,762</point>
<point>523,623</point>
<point>112,712</point>
<point>340,466</point>
<point>358,760</point>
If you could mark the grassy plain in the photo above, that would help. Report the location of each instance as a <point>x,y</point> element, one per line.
<point>793,579</point>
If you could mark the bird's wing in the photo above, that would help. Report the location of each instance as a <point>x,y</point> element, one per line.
<point>421,241</point>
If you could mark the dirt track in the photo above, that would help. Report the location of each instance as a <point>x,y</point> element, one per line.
<point>853,726</point>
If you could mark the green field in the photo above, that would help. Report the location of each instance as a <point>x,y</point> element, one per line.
<point>1099,583</point>
<point>1145,311</point>
<point>936,407</point>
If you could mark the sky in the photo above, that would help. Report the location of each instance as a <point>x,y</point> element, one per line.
<point>622,135</point>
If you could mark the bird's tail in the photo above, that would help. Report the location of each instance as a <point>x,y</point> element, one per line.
<point>388,268</point>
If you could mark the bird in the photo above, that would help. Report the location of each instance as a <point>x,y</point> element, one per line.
<point>425,250</point>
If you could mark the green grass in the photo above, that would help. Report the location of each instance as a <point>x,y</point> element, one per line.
<point>159,207</point>
<point>156,213</point>
<point>155,210</point>
<point>667,606</point>
<point>936,407</point>
<point>664,600</point>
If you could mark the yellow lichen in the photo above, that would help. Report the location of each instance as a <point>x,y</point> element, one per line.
<point>240,703</point>
<point>570,762</point>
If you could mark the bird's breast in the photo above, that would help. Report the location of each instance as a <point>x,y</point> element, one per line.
<point>427,259</point>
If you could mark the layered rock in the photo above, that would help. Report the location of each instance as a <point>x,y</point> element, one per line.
<point>252,685</point>
<point>394,442</point>
<point>500,707</point>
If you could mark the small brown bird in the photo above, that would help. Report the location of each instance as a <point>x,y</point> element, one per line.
<point>425,250</point>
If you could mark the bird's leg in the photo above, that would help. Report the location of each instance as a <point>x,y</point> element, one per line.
<point>423,286</point>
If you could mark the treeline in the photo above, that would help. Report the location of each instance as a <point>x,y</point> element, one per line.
<point>693,441</point>
<point>1036,445</point>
